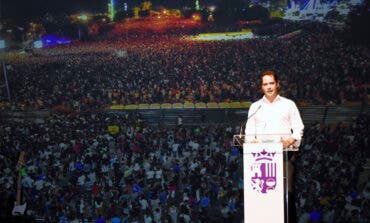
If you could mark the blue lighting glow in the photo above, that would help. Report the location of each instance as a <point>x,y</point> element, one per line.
<point>315,215</point>
<point>51,40</point>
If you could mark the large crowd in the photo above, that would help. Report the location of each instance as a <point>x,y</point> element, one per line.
<point>316,66</point>
<point>85,164</point>
<point>328,182</point>
<point>76,169</point>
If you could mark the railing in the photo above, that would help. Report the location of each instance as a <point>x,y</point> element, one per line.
<point>207,113</point>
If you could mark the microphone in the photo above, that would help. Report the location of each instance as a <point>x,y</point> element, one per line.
<point>237,138</point>
<point>250,116</point>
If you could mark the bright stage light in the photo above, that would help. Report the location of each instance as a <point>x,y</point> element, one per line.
<point>247,34</point>
<point>82,17</point>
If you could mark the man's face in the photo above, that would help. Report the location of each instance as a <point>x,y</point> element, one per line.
<point>270,87</point>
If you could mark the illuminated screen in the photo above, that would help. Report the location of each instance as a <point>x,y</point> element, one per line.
<point>318,10</point>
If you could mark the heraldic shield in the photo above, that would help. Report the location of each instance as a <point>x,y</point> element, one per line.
<point>263,172</point>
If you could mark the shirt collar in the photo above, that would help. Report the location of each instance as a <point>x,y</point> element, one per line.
<point>264,99</point>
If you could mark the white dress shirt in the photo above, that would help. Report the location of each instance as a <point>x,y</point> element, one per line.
<point>271,121</point>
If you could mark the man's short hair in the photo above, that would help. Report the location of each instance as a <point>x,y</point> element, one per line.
<point>270,73</point>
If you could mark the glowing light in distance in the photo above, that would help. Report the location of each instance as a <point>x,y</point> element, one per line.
<point>37,44</point>
<point>111,9</point>
<point>82,17</point>
<point>222,36</point>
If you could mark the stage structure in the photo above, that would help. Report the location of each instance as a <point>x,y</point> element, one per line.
<point>317,9</point>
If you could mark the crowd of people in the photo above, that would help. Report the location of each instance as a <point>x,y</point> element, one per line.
<point>85,164</point>
<point>328,182</point>
<point>77,169</point>
<point>166,68</point>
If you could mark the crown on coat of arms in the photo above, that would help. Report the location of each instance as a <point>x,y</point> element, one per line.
<point>264,155</point>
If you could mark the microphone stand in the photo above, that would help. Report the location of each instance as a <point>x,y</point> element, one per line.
<point>238,140</point>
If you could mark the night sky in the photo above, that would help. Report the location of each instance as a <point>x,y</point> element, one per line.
<point>33,8</point>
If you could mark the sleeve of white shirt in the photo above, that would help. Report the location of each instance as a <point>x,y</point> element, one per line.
<point>297,125</point>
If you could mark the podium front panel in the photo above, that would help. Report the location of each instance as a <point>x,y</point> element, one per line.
<point>263,182</point>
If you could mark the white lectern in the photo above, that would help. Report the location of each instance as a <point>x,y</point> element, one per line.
<point>263,178</point>
<point>263,182</point>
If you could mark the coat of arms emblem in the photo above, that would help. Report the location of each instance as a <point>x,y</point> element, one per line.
<point>263,172</point>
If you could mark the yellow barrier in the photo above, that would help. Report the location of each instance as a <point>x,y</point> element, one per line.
<point>235,104</point>
<point>245,104</point>
<point>224,105</point>
<point>188,105</point>
<point>131,107</point>
<point>117,107</point>
<point>199,105</point>
<point>166,105</point>
<point>143,106</point>
<point>212,105</point>
<point>155,106</point>
<point>177,105</point>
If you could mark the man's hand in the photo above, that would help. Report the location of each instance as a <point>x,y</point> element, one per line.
<point>253,141</point>
<point>287,142</point>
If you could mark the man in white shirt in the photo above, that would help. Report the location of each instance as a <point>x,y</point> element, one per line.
<point>274,115</point>
<point>275,118</point>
